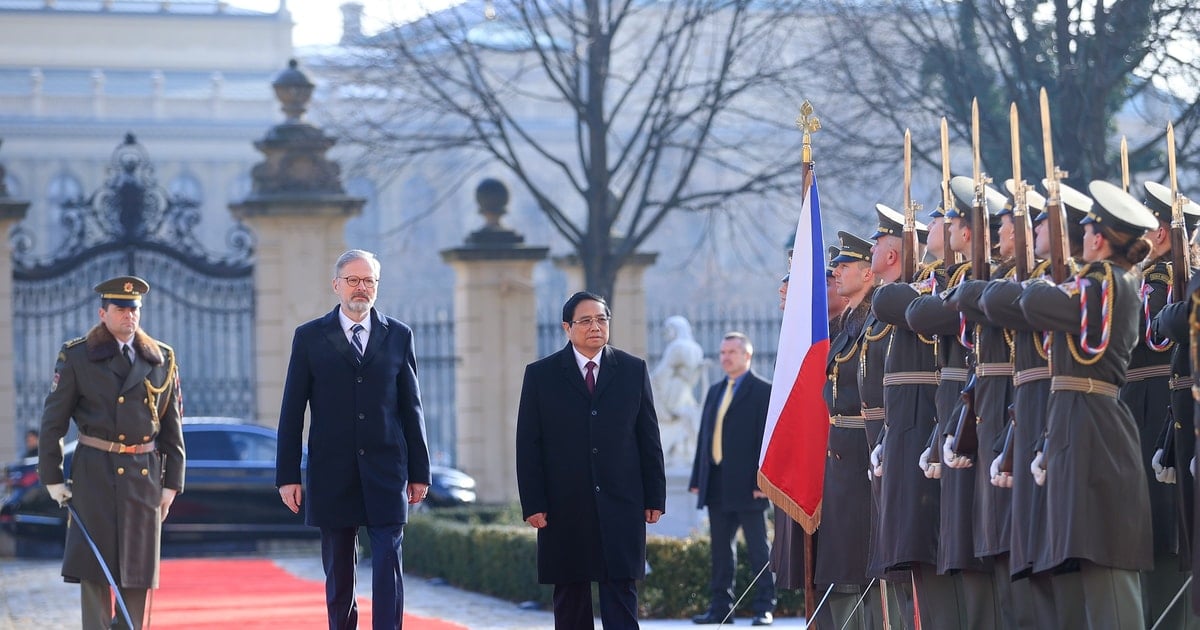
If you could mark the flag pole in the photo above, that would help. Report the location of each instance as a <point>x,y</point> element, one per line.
<point>808,123</point>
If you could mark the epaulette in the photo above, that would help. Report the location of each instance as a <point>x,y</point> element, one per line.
<point>1159,272</point>
<point>1098,270</point>
<point>74,342</point>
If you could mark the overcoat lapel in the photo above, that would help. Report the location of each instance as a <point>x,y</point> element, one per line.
<point>141,368</point>
<point>379,333</point>
<point>608,370</point>
<point>571,370</point>
<point>337,337</point>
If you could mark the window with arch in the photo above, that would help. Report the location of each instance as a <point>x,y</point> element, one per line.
<point>186,186</point>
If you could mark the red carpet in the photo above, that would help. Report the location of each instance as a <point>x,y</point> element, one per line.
<point>231,593</point>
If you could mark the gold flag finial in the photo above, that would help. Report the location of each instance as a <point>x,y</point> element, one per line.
<point>807,123</point>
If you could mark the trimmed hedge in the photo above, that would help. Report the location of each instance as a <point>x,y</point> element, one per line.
<point>485,551</point>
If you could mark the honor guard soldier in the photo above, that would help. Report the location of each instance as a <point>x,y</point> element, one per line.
<point>1098,507</point>
<point>1175,446</point>
<point>908,510</point>
<point>842,555</point>
<point>886,264</point>
<point>929,315</point>
<point>122,389</point>
<point>991,513</point>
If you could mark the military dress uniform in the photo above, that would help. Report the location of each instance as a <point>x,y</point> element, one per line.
<point>130,448</point>
<point>842,554</point>
<point>1098,508</point>
<point>908,511</point>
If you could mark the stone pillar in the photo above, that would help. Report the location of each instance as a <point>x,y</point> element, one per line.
<point>297,211</point>
<point>629,324</point>
<point>495,336</point>
<point>12,211</point>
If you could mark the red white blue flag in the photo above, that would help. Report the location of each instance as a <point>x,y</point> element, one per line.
<point>791,466</point>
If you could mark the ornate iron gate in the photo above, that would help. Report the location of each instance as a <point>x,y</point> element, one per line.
<point>200,303</point>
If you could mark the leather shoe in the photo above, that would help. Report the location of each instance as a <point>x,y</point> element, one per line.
<point>711,617</point>
<point>763,619</point>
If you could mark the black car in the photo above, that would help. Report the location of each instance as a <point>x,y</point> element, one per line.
<point>229,493</point>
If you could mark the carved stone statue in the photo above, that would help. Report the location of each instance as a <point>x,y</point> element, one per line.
<point>674,382</point>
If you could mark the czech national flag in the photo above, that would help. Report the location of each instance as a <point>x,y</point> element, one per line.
<point>791,466</point>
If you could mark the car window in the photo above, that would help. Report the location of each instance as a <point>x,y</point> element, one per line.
<point>210,445</point>
<point>252,447</point>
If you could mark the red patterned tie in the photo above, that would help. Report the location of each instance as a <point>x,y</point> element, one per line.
<point>590,378</point>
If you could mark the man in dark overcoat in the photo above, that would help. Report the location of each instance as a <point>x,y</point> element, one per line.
<point>590,468</point>
<point>122,389</point>
<point>355,370</point>
<point>725,479</point>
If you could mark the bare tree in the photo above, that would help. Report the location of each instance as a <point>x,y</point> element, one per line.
<point>610,113</point>
<point>1133,62</point>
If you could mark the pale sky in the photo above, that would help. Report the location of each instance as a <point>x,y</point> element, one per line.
<point>320,21</point>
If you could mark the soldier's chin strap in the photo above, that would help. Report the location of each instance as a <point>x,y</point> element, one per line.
<point>104,567</point>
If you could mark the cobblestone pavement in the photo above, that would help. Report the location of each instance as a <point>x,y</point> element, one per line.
<point>33,596</point>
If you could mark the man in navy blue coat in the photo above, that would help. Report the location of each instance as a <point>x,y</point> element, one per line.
<point>725,479</point>
<point>590,469</point>
<point>356,372</point>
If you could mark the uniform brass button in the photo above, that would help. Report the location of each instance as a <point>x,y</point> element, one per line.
<point>121,470</point>
<point>145,401</point>
<point>120,399</point>
<point>121,437</point>
<point>145,471</point>
<point>145,438</point>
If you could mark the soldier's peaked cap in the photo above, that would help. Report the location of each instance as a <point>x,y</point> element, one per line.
<point>1118,210</point>
<point>1033,199</point>
<point>963,189</point>
<point>122,291</point>
<point>1158,199</point>
<point>853,249</point>
<point>891,223</point>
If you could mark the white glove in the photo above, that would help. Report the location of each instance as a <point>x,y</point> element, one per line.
<point>1000,479</point>
<point>1156,463</point>
<point>1039,472</point>
<point>1167,476</point>
<point>923,462</point>
<point>952,459</point>
<point>877,460</point>
<point>1192,466</point>
<point>60,493</point>
<point>933,470</point>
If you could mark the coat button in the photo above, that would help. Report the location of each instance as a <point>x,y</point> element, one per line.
<point>145,401</point>
<point>120,399</point>
<point>595,413</point>
<point>358,379</point>
<point>145,438</point>
<point>597,488</point>
<point>145,471</point>
<point>361,452</point>
<point>362,416</point>
<point>121,437</point>
<point>595,450</point>
<point>121,470</point>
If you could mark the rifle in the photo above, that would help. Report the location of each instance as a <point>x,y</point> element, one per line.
<point>1124,164</point>
<point>948,256</point>
<point>966,435</point>
<point>981,239</point>
<point>908,239</point>
<point>1056,222</point>
<point>1181,264</point>
<point>1022,230</point>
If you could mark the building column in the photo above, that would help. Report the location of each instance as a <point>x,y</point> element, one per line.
<point>629,326</point>
<point>297,211</point>
<point>12,211</point>
<point>495,334</point>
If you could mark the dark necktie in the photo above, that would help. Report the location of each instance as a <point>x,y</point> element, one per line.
<point>358,347</point>
<point>590,378</point>
<point>128,352</point>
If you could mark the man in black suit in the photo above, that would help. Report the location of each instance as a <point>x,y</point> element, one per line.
<point>590,469</point>
<point>725,478</point>
<point>355,371</point>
